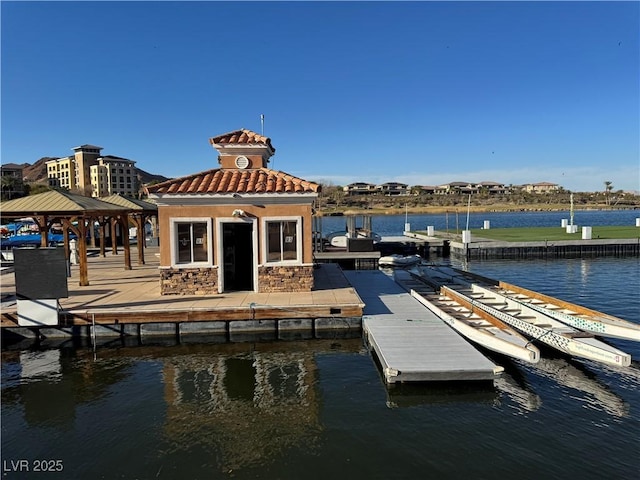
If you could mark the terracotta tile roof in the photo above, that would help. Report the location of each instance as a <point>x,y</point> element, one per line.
<point>221,181</point>
<point>241,137</point>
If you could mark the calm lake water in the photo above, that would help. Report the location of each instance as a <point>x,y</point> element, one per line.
<point>319,409</point>
<point>387,225</point>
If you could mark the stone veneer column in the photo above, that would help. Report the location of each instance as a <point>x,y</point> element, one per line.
<point>280,278</point>
<point>188,281</point>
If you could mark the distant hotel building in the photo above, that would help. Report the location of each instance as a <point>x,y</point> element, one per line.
<point>12,184</point>
<point>93,174</point>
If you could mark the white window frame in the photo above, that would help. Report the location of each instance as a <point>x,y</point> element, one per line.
<point>173,222</point>
<point>265,239</point>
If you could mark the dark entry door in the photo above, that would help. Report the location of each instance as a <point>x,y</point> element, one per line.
<point>237,247</point>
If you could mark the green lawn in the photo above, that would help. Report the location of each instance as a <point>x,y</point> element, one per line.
<point>554,233</point>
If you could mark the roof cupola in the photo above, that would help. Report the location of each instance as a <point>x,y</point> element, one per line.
<point>242,149</point>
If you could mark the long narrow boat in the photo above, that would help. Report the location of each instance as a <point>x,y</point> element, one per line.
<point>528,321</point>
<point>574,315</point>
<point>476,325</point>
<point>479,326</point>
<point>541,327</point>
<point>577,316</point>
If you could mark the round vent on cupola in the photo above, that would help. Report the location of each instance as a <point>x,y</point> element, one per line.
<point>242,161</point>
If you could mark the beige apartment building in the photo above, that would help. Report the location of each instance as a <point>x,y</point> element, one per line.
<point>61,173</point>
<point>93,174</point>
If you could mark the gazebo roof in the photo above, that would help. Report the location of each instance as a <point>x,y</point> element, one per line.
<point>131,203</point>
<point>57,203</point>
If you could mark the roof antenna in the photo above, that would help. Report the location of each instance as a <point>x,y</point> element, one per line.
<point>262,124</point>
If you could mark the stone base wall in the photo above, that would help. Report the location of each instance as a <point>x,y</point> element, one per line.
<point>204,281</point>
<point>285,278</point>
<point>188,281</point>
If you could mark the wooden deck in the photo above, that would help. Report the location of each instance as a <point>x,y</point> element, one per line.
<point>411,343</point>
<point>118,296</point>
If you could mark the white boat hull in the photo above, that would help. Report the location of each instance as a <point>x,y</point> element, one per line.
<point>576,316</point>
<point>493,335</point>
<point>539,326</point>
<point>399,260</point>
<point>340,239</point>
<point>545,329</point>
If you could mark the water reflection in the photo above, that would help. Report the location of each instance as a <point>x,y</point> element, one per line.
<point>574,375</point>
<point>514,387</point>
<point>245,404</point>
<point>51,384</point>
<point>410,395</point>
<point>248,407</point>
<point>41,365</point>
<point>258,406</point>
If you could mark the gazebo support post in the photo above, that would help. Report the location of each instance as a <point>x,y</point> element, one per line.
<point>103,241</point>
<point>65,237</point>
<point>142,238</point>
<point>82,252</point>
<point>41,221</point>
<point>124,226</point>
<point>114,236</point>
<point>81,245</point>
<point>92,233</point>
<point>102,222</point>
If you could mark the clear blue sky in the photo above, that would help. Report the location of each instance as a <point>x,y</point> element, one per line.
<point>423,93</point>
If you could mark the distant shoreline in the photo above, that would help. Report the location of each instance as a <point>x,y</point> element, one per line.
<point>463,208</point>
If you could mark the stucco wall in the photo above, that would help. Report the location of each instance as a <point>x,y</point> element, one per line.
<point>165,213</point>
<point>204,280</point>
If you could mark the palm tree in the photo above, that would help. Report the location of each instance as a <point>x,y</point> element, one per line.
<point>9,183</point>
<point>608,187</point>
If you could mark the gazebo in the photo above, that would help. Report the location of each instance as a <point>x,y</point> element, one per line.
<point>139,212</point>
<point>76,213</point>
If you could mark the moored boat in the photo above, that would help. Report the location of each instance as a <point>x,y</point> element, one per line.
<point>31,240</point>
<point>475,325</point>
<point>396,260</point>
<point>541,327</point>
<point>577,316</point>
<point>528,321</point>
<point>479,327</point>
<point>341,238</point>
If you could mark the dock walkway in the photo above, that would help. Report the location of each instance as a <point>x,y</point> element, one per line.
<point>411,343</point>
<point>120,302</point>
